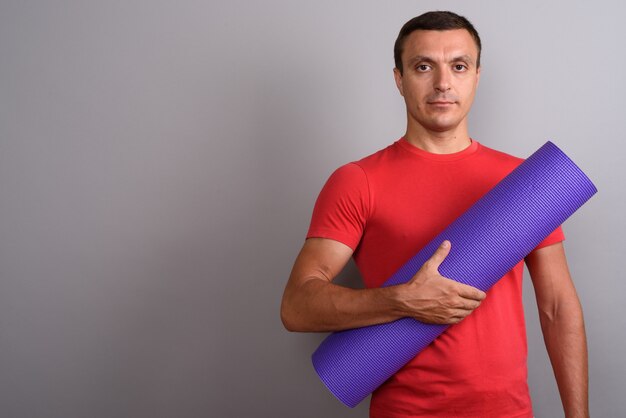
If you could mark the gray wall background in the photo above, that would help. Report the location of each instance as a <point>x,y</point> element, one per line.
<point>158,166</point>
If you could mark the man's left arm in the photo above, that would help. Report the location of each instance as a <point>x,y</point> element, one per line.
<point>562,324</point>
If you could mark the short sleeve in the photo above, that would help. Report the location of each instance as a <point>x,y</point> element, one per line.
<point>556,236</point>
<point>341,209</point>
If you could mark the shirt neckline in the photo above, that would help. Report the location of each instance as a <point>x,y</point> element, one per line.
<point>469,150</point>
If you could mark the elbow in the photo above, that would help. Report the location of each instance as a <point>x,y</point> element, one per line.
<point>547,316</point>
<point>287,318</point>
<point>293,319</point>
<point>297,313</point>
<point>569,311</point>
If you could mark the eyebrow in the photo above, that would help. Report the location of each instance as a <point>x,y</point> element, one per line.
<point>427,59</point>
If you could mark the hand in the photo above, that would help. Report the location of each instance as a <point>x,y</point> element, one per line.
<point>431,298</point>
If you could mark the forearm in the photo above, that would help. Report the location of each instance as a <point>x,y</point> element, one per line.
<point>318,305</point>
<point>312,302</point>
<point>564,334</point>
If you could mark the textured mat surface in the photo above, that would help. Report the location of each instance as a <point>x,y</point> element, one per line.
<point>488,240</point>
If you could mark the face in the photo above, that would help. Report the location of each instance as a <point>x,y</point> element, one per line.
<point>439,79</point>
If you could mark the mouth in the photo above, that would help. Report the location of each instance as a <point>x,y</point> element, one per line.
<point>441,103</point>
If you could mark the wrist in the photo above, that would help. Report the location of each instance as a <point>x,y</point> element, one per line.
<point>396,301</point>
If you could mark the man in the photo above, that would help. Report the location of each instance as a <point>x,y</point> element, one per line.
<point>382,208</point>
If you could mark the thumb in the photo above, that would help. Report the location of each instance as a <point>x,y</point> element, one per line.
<point>440,254</point>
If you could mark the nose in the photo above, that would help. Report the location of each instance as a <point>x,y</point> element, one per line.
<point>442,80</point>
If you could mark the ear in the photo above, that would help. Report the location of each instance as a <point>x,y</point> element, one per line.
<point>398,77</point>
<point>477,76</point>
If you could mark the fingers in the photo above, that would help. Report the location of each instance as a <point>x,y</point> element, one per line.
<point>445,317</point>
<point>468,305</point>
<point>463,290</point>
<point>455,319</point>
<point>469,292</point>
<point>467,300</point>
<point>440,254</point>
<point>459,301</point>
<point>460,313</point>
<point>433,298</point>
<point>456,314</point>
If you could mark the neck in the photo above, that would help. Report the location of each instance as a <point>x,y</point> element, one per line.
<point>446,142</point>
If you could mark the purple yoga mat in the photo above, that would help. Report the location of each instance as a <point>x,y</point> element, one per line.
<point>488,240</point>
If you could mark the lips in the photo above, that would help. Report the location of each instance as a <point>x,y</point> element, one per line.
<point>440,103</point>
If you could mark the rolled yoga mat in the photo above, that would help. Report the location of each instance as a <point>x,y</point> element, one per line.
<point>488,240</point>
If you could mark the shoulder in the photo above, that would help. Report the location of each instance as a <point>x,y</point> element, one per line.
<point>360,170</point>
<point>497,159</point>
<point>499,155</point>
<point>383,161</point>
<point>348,176</point>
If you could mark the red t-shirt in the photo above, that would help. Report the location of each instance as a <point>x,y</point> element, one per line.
<point>386,207</point>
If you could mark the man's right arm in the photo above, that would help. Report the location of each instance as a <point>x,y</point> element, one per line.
<point>312,302</point>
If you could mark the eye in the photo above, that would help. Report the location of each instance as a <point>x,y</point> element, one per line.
<point>422,68</point>
<point>460,67</point>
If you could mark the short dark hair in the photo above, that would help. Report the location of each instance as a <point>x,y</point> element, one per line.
<point>433,21</point>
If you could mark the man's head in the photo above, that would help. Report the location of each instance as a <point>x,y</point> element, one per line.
<point>439,21</point>
<point>437,72</point>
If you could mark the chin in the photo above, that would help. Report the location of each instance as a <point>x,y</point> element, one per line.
<point>441,127</point>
